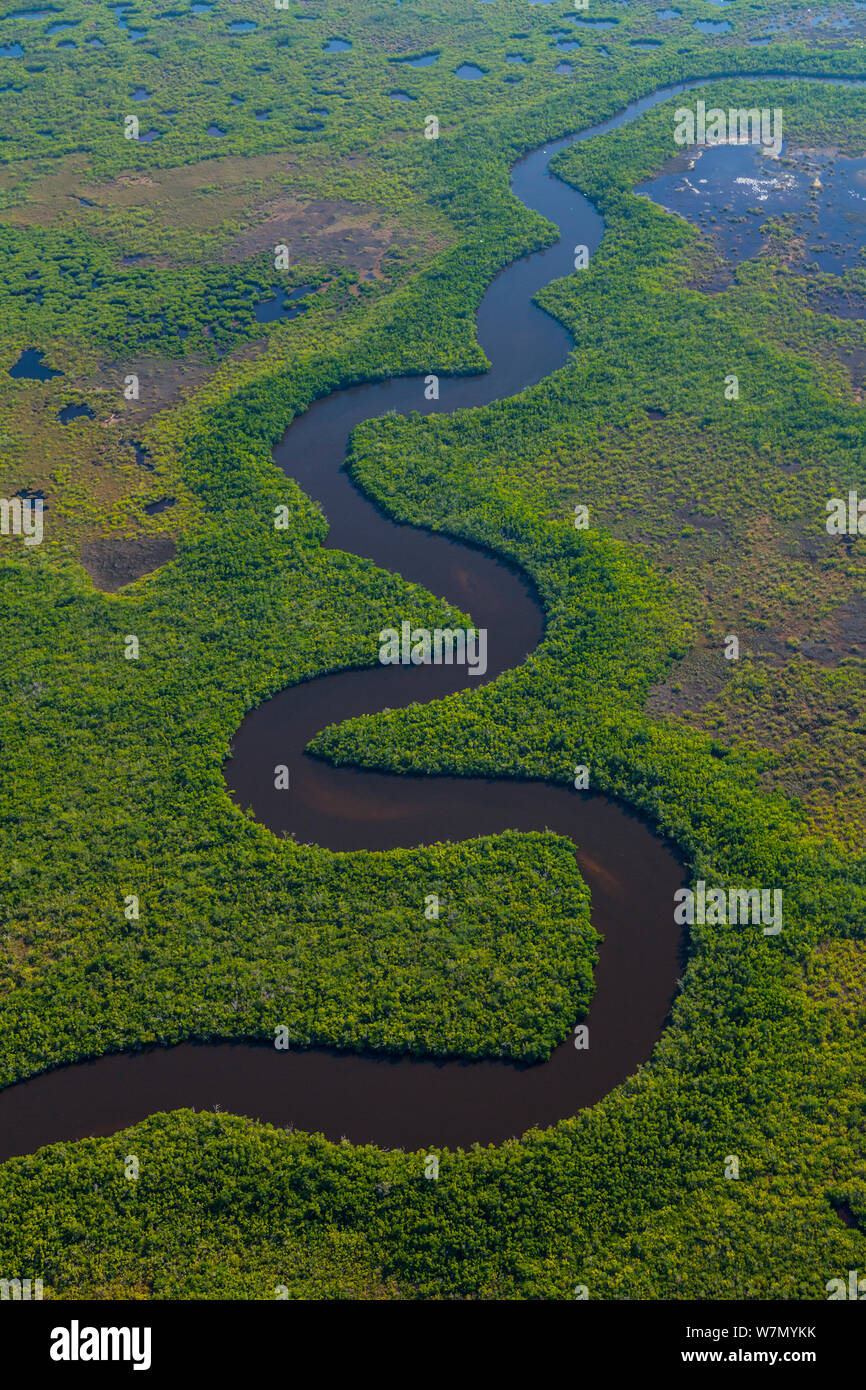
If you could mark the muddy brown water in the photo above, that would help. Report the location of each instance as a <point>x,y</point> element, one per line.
<point>401,1101</point>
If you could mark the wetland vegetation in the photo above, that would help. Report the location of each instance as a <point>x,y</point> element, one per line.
<point>155,260</point>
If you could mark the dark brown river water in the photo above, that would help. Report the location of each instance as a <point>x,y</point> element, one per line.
<point>632,874</point>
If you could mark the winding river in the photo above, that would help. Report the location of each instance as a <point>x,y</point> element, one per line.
<point>399,1101</point>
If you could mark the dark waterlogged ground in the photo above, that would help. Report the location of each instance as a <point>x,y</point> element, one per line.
<point>731,191</point>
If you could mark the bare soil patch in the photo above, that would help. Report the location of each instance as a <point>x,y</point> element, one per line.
<point>114,562</point>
